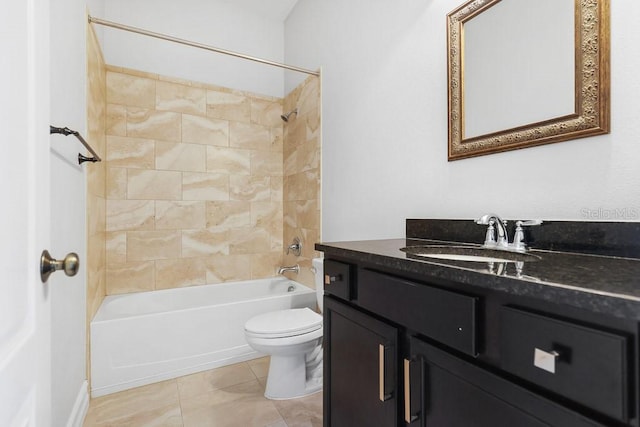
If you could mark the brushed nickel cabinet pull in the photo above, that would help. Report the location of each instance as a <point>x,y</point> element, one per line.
<point>381,371</point>
<point>407,391</point>
<point>545,360</point>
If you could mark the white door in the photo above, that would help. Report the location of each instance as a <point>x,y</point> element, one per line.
<point>25,366</point>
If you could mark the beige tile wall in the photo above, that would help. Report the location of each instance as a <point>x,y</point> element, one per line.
<point>96,182</point>
<point>194,183</point>
<point>302,143</point>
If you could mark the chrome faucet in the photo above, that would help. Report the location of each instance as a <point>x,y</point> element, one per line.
<point>500,230</point>
<point>294,268</point>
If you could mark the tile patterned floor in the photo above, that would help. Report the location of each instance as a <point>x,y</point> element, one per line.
<point>231,396</point>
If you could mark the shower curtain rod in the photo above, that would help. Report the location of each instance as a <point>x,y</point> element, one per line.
<point>198,45</point>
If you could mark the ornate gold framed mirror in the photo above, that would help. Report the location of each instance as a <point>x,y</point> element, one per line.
<point>523,74</point>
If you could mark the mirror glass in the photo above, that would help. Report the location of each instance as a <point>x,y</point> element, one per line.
<point>524,73</point>
<point>518,65</point>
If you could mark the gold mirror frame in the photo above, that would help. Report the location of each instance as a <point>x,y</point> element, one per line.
<point>592,86</point>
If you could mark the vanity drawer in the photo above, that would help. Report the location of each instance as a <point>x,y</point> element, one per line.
<point>583,364</point>
<point>445,316</point>
<point>337,279</point>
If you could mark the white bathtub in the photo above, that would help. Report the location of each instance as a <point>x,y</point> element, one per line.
<point>141,338</point>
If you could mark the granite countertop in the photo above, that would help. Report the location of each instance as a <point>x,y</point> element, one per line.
<point>603,284</point>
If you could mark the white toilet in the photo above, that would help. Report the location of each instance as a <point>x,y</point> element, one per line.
<point>293,339</point>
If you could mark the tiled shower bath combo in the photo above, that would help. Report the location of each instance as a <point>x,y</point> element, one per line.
<point>200,185</point>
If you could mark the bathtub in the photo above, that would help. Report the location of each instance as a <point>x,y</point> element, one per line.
<point>142,338</point>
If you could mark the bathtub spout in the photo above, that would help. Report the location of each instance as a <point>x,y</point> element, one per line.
<point>294,268</point>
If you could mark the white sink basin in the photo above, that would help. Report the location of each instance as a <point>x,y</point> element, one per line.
<point>468,254</point>
<point>457,257</point>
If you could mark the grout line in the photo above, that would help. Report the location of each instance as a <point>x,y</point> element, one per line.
<point>179,401</point>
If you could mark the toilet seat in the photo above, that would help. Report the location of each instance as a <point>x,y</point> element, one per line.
<point>283,323</point>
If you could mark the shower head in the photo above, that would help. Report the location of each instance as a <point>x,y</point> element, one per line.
<point>285,117</point>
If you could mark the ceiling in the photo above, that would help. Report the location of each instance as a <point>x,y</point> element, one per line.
<point>274,9</point>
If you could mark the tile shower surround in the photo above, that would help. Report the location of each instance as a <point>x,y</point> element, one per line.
<point>301,156</point>
<point>195,182</point>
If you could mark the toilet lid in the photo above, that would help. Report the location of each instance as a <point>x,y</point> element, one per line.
<point>284,323</point>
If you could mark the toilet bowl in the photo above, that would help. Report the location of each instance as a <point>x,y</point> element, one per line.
<point>293,339</point>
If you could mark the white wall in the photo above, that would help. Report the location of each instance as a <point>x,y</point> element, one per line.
<point>217,23</point>
<point>68,234</point>
<point>97,8</point>
<point>384,121</point>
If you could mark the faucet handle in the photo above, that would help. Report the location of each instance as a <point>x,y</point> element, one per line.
<point>529,223</point>
<point>518,237</point>
<point>489,237</point>
<point>295,247</point>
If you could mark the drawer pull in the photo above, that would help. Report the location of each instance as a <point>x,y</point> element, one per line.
<point>381,371</point>
<point>407,391</point>
<point>408,418</point>
<point>545,360</point>
<point>332,279</point>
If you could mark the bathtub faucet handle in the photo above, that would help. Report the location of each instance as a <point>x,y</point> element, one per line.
<point>295,247</point>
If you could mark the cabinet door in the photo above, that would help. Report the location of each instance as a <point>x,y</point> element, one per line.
<point>360,371</point>
<point>444,391</point>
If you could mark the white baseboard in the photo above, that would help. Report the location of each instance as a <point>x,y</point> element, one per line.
<point>80,407</point>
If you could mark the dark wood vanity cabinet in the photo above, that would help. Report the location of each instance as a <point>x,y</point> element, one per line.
<point>402,352</point>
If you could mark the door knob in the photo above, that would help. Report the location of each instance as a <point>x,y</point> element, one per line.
<point>70,264</point>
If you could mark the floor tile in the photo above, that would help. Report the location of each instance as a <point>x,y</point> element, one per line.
<point>303,412</point>
<point>169,416</point>
<point>202,382</point>
<point>239,405</point>
<point>260,367</point>
<point>153,404</point>
<point>228,396</point>
<point>280,423</point>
